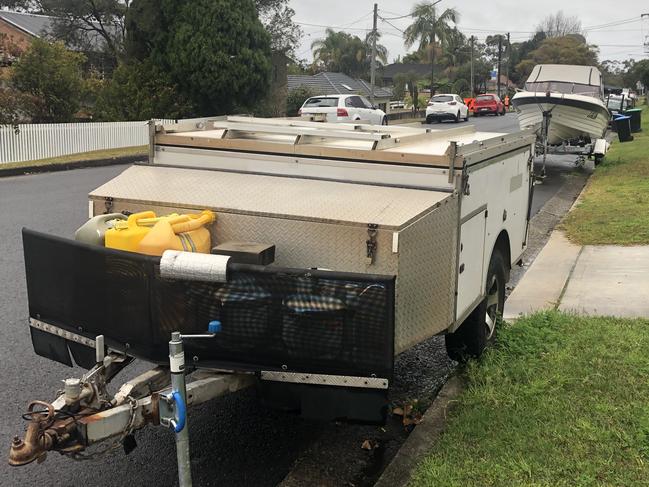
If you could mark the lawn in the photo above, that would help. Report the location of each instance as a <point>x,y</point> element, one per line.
<point>562,400</point>
<point>84,156</point>
<point>614,208</point>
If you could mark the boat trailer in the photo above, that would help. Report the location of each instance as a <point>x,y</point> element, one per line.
<point>84,414</point>
<point>582,149</point>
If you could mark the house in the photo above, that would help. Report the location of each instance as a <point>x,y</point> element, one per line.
<point>506,85</point>
<point>421,71</point>
<point>19,29</point>
<point>328,83</point>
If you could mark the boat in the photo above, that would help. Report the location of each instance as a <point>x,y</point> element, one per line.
<point>570,97</point>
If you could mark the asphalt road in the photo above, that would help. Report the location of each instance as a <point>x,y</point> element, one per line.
<point>236,441</point>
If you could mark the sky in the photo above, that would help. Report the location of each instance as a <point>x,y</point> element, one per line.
<point>622,40</point>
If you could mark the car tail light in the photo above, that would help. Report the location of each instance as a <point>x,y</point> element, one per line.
<point>452,103</point>
<point>342,112</point>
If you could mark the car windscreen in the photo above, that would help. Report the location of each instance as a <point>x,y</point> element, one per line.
<point>485,98</point>
<point>321,102</point>
<point>441,98</point>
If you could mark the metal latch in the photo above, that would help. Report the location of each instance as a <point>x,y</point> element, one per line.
<point>372,230</point>
<point>108,203</point>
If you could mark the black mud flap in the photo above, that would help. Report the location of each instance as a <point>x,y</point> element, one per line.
<point>51,346</point>
<point>59,349</point>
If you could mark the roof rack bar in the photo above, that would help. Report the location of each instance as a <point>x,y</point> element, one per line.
<point>235,128</point>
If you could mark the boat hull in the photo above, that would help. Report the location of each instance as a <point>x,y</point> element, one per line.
<point>572,117</point>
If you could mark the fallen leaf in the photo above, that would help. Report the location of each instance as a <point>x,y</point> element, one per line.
<point>367,445</point>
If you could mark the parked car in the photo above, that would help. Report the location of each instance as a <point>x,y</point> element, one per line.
<point>343,108</point>
<point>488,103</point>
<point>397,104</point>
<point>446,107</point>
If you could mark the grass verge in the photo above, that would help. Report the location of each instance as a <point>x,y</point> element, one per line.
<point>614,208</point>
<point>560,401</point>
<point>84,156</point>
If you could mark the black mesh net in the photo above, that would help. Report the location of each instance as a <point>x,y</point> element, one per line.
<point>271,318</point>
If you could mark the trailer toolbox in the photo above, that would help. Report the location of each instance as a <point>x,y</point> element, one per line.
<point>344,227</point>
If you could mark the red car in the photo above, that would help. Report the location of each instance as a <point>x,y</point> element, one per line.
<point>488,103</point>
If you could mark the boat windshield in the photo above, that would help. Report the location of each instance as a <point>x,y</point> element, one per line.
<point>564,87</point>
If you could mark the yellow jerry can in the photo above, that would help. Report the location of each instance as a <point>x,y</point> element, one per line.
<point>190,235</point>
<point>126,235</point>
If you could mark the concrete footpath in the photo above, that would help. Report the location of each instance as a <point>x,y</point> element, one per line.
<point>604,280</point>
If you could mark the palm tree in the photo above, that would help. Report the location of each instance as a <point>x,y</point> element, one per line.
<point>381,50</point>
<point>346,53</point>
<point>427,27</point>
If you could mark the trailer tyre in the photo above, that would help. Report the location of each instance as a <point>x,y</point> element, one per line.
<point>479,328</point>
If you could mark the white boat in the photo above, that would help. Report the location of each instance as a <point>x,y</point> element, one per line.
<point>572,98</point>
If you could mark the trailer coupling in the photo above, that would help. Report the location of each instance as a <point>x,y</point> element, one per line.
<point>84,415</point>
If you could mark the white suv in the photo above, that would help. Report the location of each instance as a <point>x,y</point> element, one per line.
<point>446,107</point>
<point>343,108</point>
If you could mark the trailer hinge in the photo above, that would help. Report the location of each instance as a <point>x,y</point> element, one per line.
<point>466,187</point>
<point>372,230</point>
<point>108,203</point>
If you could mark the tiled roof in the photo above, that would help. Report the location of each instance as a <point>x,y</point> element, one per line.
<point>391,70</point>
<point>41,26</point>
<point>335,83</point>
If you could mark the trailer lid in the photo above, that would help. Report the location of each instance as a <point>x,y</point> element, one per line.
<point>274,196</point>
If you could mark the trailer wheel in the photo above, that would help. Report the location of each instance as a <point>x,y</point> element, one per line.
<point>479,328</point>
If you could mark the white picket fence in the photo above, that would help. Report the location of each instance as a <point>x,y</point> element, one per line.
<point>43,141</point>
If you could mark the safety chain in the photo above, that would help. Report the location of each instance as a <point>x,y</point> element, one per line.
<point>113,446</point>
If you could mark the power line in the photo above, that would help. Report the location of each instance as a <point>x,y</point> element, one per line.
<point>398,16</point>
<point>612,23</point>
<point>391,24</point>
<point>339,27</point>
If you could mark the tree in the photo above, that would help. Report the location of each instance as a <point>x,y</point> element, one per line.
<point>427,27</point>
<point>407,82</point>
<point>559,25</point>
<point>564,50</point>
<point>521,51</point>
<point>216,53</point>
<point>296,99</point>
<point>481,74</point>
<point>277,18</point>
<point>86,24</point>
<point>14,106</point>
<point>51,74</point>
<point>139,91</point>
<point>639,72</point>
<point>346,53</point>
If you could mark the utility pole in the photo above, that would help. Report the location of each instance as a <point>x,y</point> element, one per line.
<point>432,64</point>
<point>500,55</point>
<point>509,53</point>
<point>472,39</point>
<point>373,60</point>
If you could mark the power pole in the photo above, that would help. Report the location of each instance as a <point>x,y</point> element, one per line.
<point>500,55</point>
<point>509,53</point>
<point>373,61</point>
<point>472,39</point>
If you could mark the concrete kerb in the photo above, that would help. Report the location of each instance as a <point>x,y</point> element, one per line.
<point>422,439</point>
<point>20,171</point>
